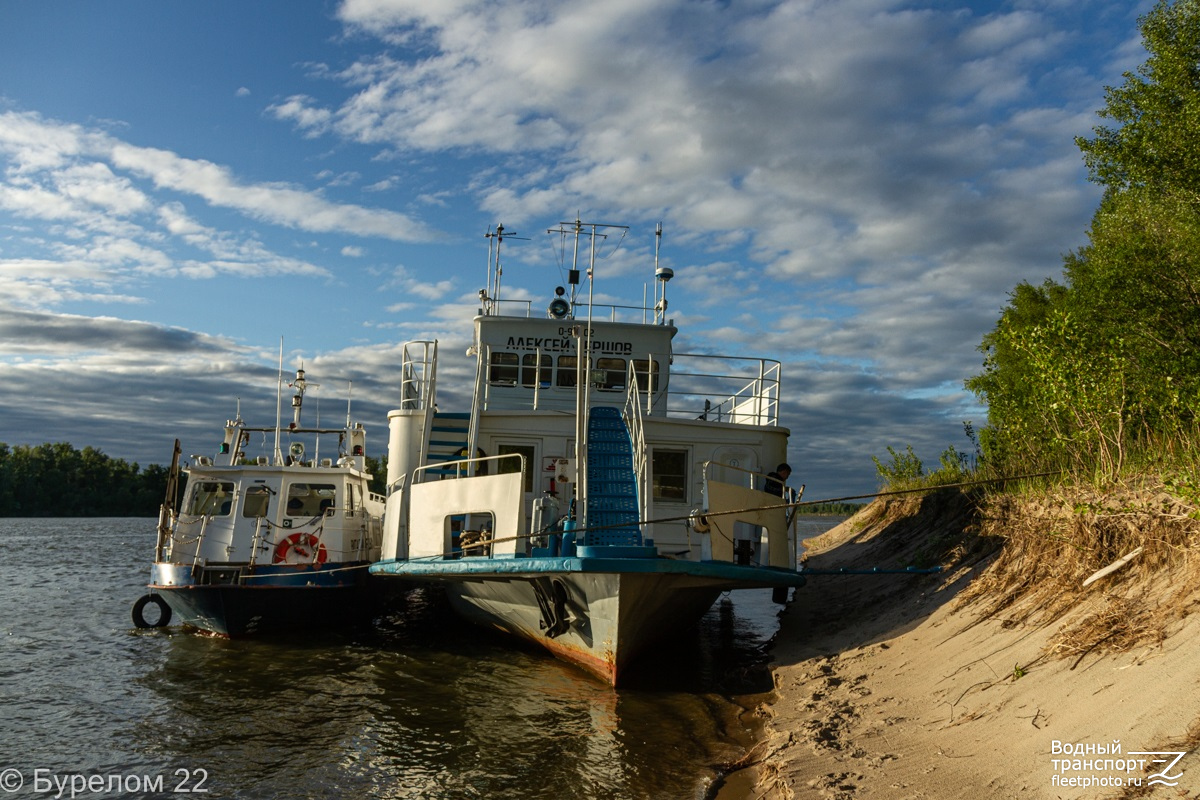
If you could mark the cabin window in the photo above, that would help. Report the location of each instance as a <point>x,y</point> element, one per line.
<point>531,374</point>
<point>609,374</point>
<point>646,372</point>
<point>669,474</point>
<point>310,499</point>
<point>502,371</point>
<point>211,498</point>
<point>568,372</point>
<point>506,465</point>
<point>256,502</point>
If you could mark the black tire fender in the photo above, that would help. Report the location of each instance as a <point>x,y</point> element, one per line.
<point>139,608</point>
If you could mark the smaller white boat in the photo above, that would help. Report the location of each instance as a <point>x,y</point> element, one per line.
<point>268,543</point>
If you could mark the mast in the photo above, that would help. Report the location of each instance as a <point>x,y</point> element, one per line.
<point>661,276</point>
<point>278,402</point>
<point>583,347</point>
<point>491,294</point>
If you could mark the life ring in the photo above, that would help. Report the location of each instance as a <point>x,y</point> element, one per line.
<point>300,548</point>
<point>139,608</point>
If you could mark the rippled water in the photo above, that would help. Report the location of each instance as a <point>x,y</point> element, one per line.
<point>416,706</point>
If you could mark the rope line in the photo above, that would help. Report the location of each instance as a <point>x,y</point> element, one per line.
<point>784,506</point>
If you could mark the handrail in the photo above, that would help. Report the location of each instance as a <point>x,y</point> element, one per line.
<point>704,468</point>
<point>204,520</point>
<point>254,541</point>
<point>748,393</point>
<point>418,375</point>
<point>465,461</point>
<point>612,309</point>
<point>637,434</point>
<point>789,498</point>
<point>754,402</point>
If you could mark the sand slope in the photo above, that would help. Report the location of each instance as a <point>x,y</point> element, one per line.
<point>889,688</point>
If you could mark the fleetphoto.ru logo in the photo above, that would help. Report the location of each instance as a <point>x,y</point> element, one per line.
<point>11,780</point>
<point>1103,765</point>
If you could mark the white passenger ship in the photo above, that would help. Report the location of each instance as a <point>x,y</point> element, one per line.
<point>601,490</point>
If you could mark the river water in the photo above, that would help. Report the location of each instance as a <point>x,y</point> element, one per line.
<point>417,705</point>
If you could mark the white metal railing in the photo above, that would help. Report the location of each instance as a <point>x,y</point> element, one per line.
<point>740,476</point>
<point>733,389</point>
<point>418,374</point>
<point>751,397</point>
<point>257,540</point>
<point>464,467</point>
<point>714,471</point>
<point>637,435</point>
<point>581,310</point>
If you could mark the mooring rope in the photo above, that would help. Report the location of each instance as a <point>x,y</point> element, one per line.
<point>785,506</point>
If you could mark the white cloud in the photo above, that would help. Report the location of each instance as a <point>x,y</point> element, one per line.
<point>115,201</point>
<point>851,185</point>
<point>299,110</point>
<point>82,162</point>
<point>409,285</point>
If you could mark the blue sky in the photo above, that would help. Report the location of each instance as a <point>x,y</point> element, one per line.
<point>851,187</point>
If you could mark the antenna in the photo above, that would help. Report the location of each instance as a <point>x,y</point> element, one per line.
<point>661,276</point>
<point>301,385</point>
<point>590,229</point>
<point>500,235</point>
<point>278,402</point>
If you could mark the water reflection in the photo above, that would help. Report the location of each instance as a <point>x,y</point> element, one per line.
<point>418,706</point>
<point>424,706</point>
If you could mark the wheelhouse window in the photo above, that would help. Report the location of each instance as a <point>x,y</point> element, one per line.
<point>646,372</point>
<point>669,475</point>
<point>257,501</point>
<point>568,372</point>
<point>310,499</point>
<point>609,374</point>
<point>532,372</point>
<point>502,369</point>
<point>211,498</point>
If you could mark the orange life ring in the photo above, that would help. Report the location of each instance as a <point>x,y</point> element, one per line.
<point>300,548</point>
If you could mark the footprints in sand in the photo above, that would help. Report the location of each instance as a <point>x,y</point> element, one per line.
<point>835,730</point>
<point>840,786</point>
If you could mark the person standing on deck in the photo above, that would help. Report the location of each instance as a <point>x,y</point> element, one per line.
<point>774,484</point>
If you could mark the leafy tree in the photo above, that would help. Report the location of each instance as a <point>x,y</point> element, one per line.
<point>903,470</point>
<point>1076,373</point>
<point>1156,140</point>
<point>56,480</point>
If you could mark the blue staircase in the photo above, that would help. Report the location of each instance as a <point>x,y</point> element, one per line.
<point>447,440</point>
<point>612,489</point>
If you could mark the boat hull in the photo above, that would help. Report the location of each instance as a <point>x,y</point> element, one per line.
<point>274,600</point>
<point>610,618</point>
<point>600,614</point>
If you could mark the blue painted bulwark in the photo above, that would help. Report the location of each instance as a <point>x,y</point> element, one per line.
<point>612,501</point>
<point>721,574</point>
